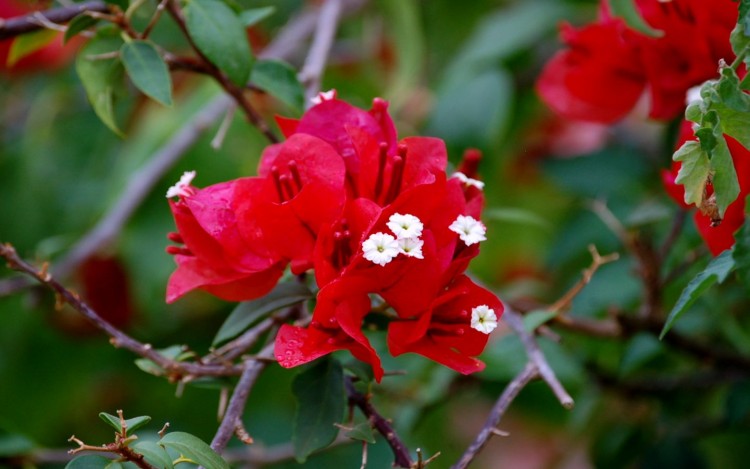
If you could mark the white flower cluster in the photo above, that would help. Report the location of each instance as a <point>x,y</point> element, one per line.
<point>381,248</point>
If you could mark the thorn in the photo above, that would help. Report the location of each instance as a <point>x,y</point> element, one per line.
<point>163,430</point>
<point>498,432</point>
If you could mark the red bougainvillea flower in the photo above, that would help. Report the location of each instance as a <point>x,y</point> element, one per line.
<point>302,192</point>
<point>721,237</point>
<point>219,256</point>
<point>608,66</point>
<point>49,57</point>
<point>453,330</point>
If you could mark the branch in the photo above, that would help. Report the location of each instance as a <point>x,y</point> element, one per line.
<point>13,27</point>
<point>498,410</point>
<point>598,261</point>
<point>315,63</point>
<point>383,426</point>
<point>118,338</point>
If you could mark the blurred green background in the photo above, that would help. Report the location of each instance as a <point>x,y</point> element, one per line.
<point>461,71</point>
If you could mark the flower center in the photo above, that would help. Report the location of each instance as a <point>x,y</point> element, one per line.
<point>288,184</point>
<point>385,195</point>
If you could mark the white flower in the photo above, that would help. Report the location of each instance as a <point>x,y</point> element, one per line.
<point>380,248</point>
<point>323,96</point>
<point>412,247</point>
<point>182,188</point>
<point>468,181</point>
<point>470,231</point>
<point>483,319</point>
<point>405,226</point>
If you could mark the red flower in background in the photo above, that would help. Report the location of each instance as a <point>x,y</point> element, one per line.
<point>721,237</point>
<point>608,66</point>
<point>52,56</point>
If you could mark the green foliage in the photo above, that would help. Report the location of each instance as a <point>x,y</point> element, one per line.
<point>320,395</point>
<point>147,70</point>
<point>91,461</point>
<point>14,444</point>
<point>79,24</point>
<point>536,318</point>
<point>154,454</point>
<point>193,448</point>
<point>279,79</point>
<point>220,36</point>
<point>743,19</point>
<point>716,271</point>
<point>248,313</point>
<point>361,432</point>
<point>741,254</point>
<point>254,16</point>
<point>102,78</point>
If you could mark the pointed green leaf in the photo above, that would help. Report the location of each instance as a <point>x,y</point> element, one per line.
<point>247,313</point>
<point>175,352</point>
<point>280,81</point>
<point>89,461</point>
<point>254,16</point>
<point>27,44</point>
<point>716,271</point>
<point>112,420</point>
<point>154,454</point>
<point>220,36</point>
<point>726,185</point>
<point>193,448</point>
<point>78,24</point>
<point>102,78</point>
<point>147,70</point>
<point>627,10</point>
<point>694,171</point>
<point>361,432</point>
<point>135,423</point>
<point>320,404</point>
<point>536,318</point>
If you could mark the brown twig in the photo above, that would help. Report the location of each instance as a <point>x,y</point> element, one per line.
<point>174,369</point>
<point>13,27</point>
<point>523,378</point>
<point>598,260</point>
<point>402,458</point>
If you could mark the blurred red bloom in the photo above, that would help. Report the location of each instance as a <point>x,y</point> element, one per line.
<point>721,237</point>
<point>608,66</point>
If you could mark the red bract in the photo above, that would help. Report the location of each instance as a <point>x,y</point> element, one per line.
<point>721,237</point>
<point>444,332</point>
<point>219,256</point>
<point>608,66</point>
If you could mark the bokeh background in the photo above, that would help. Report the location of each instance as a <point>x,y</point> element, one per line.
<point>461,71</point>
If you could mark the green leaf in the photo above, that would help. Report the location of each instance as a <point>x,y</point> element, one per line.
<point>193,448</point>
<point>536,318</point>
<point>88,461</point>
<point>741,252</point>
<point>726,185</point>
<point>361,432</point>
<point>320,403</point>
<point>175,352</point>
<point>516,215</point>
<point>147,70</point>
<point>360,369</point>
<point>694,171</point>
<point>220,36</point>
<point>716,271</point>
<point>154,454</point>
<point>626,9</point>
<point>14,444</point>
<point>247,313</point>
<point>131,425</point>
<point>27,44</point>
<point>279,79</point>
<point>102,78</point>
<point>78,24</point>
<point>254,16</point>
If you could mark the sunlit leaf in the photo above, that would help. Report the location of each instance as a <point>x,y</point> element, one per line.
<point>27,44</point>
<point>320,404</point>
<point>220,36</point>
<point>716,271</point>
<point>536,318</point>
<point>147,70</point>
<point>193,448</point>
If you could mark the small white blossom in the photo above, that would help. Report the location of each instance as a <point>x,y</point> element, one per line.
<point>468,181</point>
<point>380,248</point>
<point>182,188</point>
<point>412,247</point>
<point>470,231</point>
<point>323,96</point>
<point>405,226</point>
<point>483,319</point>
